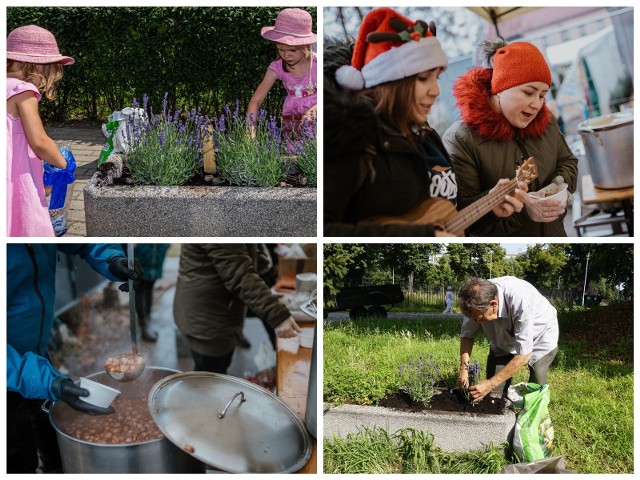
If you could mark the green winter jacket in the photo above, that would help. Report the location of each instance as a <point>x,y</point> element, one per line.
<point>484,148</point>
<point>216,284</point>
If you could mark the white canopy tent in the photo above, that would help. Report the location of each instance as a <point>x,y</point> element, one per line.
<point>500,14</point>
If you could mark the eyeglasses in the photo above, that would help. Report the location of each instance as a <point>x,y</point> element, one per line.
<point>480,316</point>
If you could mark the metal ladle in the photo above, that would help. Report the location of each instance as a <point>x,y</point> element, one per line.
<point>130,375</point>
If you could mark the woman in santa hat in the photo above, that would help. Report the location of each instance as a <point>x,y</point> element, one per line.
<point>381,158</point>
<point>505,120</point>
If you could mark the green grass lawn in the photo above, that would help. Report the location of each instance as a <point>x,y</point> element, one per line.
<point>591,388</point>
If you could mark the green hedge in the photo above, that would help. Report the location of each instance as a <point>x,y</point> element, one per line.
<point>204,57</point>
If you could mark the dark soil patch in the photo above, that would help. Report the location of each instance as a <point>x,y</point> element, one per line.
<point>444,401</point>
<point>292,181</point>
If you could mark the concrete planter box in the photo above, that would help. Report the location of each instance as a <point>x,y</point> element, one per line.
<point>198,211</point>
<point>453,432</point>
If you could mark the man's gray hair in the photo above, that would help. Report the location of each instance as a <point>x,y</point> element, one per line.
<point>476,294</point>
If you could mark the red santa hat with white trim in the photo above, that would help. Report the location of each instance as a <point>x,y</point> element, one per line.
<point>390,47</point>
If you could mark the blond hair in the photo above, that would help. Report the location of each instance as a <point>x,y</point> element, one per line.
<point>306,50</point>
<point>44,76</point>
<point>395,103</point>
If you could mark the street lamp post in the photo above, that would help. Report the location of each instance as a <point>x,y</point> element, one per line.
<point>584,288</point>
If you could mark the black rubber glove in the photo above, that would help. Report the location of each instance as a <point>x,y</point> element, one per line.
<point>119,266</point>
<point>70,394</point>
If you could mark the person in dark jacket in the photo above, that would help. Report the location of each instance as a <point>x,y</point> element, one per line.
<point>151,258</point>
<point>31,378</point>
<point>505,120</point>
<point>381,157</point>
<point>216,284</point>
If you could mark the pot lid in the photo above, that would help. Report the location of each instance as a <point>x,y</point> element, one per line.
<point>606,122</point>
<point>229,423</point>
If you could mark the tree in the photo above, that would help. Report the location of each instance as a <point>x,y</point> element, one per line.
<point>339,259</point>
<point>482,260</point>
<point>411,260</point>
<point>542,264</point>
<point>458,29</point>
<point>613,262</point>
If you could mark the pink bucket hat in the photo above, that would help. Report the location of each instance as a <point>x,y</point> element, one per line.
<point>33,44</point>
<point>293,27</point>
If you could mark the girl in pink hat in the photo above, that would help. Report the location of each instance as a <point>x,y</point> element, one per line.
<point>34,65</point>
<point>295,67</point>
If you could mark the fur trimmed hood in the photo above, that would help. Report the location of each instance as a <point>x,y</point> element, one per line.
<point>472,91</point>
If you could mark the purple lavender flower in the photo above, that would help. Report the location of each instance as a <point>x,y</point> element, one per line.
<point>165,105</point>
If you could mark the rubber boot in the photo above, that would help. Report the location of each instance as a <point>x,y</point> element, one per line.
<point>147,334</point>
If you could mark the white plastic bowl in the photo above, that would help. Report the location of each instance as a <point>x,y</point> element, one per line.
<point>552,192</point>
<point>99,395</point>
<point>305,337</point>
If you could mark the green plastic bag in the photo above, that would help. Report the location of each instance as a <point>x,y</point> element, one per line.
<point>533,436</point>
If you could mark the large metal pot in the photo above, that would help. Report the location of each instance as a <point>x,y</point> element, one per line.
<point>155,456</point>
<point>311,411</point>
<point>231,424</point>
<point>608,143</point>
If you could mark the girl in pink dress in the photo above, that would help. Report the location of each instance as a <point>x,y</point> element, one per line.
<point>34,65</point>
<point>295,67</point>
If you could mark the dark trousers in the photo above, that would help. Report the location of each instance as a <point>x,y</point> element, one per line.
<point>144,299</point>
<point>29,435</point>
<point>537,371</point>
<point>204,363</point>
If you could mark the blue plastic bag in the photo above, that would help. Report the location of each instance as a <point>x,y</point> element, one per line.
<point>59,178</point>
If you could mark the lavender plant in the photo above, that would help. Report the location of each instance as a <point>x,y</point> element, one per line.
<point>419,379</point>
<point>243,160</point>
<point>306,156</point>
<point>167,150</point>
<point>473,371</point>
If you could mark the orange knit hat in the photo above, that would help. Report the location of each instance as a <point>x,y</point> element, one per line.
<point>390,47</point>
<point>518,63</point>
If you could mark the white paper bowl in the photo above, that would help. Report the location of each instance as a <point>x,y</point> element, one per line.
<point>305,338</point>
<point>99,395</point>
<point>552,192</point>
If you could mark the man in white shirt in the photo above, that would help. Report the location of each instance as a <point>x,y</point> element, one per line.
<point>521,325</point>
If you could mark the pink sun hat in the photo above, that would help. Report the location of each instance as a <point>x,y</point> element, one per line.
<point>293,27</point>
<point>33,44</point>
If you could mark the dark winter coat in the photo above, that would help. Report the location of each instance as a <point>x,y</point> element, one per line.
<point>484,148</point>
<point>216,283</point>
<point>370,169</point>
<point>151,258</point>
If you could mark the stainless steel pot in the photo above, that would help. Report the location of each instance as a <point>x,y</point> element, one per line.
<point>608,143</point>
<point>310,415</point>
<point>229,423</point>
<point>155,456</point>
<point>311,411</point>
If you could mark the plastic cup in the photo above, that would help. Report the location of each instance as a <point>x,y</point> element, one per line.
<point>305,338</point>
<point>306,281</point>
<point>552,192</point>
<point>99,395</point>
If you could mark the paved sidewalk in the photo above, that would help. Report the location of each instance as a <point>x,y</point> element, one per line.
<point>86,144</point>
